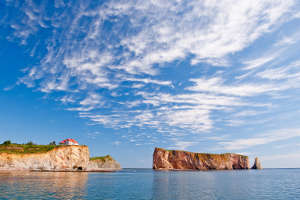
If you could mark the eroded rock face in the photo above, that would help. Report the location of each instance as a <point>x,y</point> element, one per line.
<point>182,160</point>
<point>257,164</point>
<point>104,165</point>
<point>61,158</point>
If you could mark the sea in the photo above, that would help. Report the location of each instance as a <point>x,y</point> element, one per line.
<point>146,184</point>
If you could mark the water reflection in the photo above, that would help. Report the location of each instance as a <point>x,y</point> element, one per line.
<point>43,185</point>
<point>182,185</point>
<point>144,184</point>
<point>206,185</point>
<point>199,185</point>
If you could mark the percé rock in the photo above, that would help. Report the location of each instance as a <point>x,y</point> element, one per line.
<point>257,164</point>
<point>61,158</point>
<point>183,160</point>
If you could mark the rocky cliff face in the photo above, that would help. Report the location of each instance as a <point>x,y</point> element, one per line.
<point>107,163</point>
<point>182,160</point>
<point>257,164</point>
<point>61,158</point>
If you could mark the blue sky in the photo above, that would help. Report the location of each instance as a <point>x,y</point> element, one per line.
<point>127,76</point>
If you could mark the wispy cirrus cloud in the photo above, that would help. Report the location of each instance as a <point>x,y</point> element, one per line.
<point>256,63</point>
<point>182,145</point>
<point>151,43</point>
<point>262,139</point>
<point>281,73</point>
<point>107,60</point>
<point>216,85</point>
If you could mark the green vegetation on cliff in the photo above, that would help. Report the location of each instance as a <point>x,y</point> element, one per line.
<point>102,158</point>
<point>25,148</point>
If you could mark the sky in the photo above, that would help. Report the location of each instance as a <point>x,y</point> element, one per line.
<point>124,77</point>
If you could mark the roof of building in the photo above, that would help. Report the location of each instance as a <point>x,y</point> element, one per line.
<point>68,140</point>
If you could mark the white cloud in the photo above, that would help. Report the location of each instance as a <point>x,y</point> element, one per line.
<point>246,113</point>
<point>216,85</point>
<point>97,65</point>
<point>8,88</point>
<point>149,81</point>
<point>290,71</point>
<point>92,101</point>
<point>256,63</point>
<point>93,135</point>
<point>277,157</point>
<point>67,99</point>
<point>286,41</point>
<point>203,31</point>
<point>182,145</point>
<point>274,74</point>
<point>194,119</point>
<point>217,138</point>
<point>235,122</point>
<point>262,139</point>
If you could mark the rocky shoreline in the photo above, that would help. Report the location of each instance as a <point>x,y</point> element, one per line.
<point>69,158</point>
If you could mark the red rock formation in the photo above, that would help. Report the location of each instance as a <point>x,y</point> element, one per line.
<point>182,160</point>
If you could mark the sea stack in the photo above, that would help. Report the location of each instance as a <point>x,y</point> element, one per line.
<point>257,164</point>
<point>105,163</point>
<point>182,160</point>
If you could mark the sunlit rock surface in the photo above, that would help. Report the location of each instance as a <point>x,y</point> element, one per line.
<point>61,158</point>
<point>106,163</point>
<point>257,164</point>
<point>183,160</point>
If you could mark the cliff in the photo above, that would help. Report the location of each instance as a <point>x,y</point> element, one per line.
<point>182,160</point>
<point>58,158</point>
<point>257,164</point>
<point>105,163</point>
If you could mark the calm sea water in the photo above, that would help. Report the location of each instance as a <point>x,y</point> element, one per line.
<point>147,184</point>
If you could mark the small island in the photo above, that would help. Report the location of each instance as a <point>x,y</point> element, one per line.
<point>67,156</point>
<point>104,163</point>
<point>182,160</point>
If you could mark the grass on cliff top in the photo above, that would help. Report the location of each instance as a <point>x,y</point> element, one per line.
<point>25,148</point>
<point>102,158</point>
